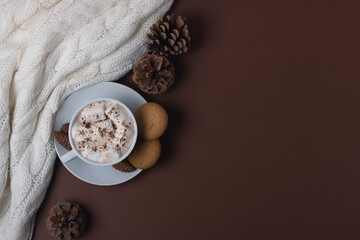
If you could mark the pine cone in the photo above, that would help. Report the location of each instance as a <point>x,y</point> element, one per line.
<point>154,74</point>
<point>169,36</point>
<point>124,166</point>
<point>63,140</point>
<point>65,128</point>
<point>65,221</point>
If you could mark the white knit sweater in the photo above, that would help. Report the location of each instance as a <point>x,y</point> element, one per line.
<point>49,49</point>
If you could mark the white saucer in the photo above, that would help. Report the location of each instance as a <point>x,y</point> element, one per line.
<point>97,175</point>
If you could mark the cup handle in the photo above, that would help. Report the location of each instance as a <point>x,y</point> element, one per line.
<point>68,156</point>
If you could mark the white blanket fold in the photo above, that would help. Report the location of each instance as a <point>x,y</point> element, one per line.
<point>49,49</point>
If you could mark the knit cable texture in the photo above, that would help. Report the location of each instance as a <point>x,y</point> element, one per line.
<point>49,49</point>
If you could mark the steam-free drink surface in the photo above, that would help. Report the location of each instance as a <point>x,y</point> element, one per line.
<point>103,131</point>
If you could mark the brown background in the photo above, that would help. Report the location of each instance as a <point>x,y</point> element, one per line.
<point>264,132</point>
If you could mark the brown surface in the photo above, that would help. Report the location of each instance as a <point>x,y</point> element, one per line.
<point>263,138</point>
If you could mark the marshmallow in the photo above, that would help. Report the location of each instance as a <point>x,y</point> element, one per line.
<point>103,131</point>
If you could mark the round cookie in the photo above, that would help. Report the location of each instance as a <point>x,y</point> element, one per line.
<point>145,153</point>
<point>152,120</point>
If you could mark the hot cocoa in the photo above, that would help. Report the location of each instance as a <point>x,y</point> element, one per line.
<point>103,131</point>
